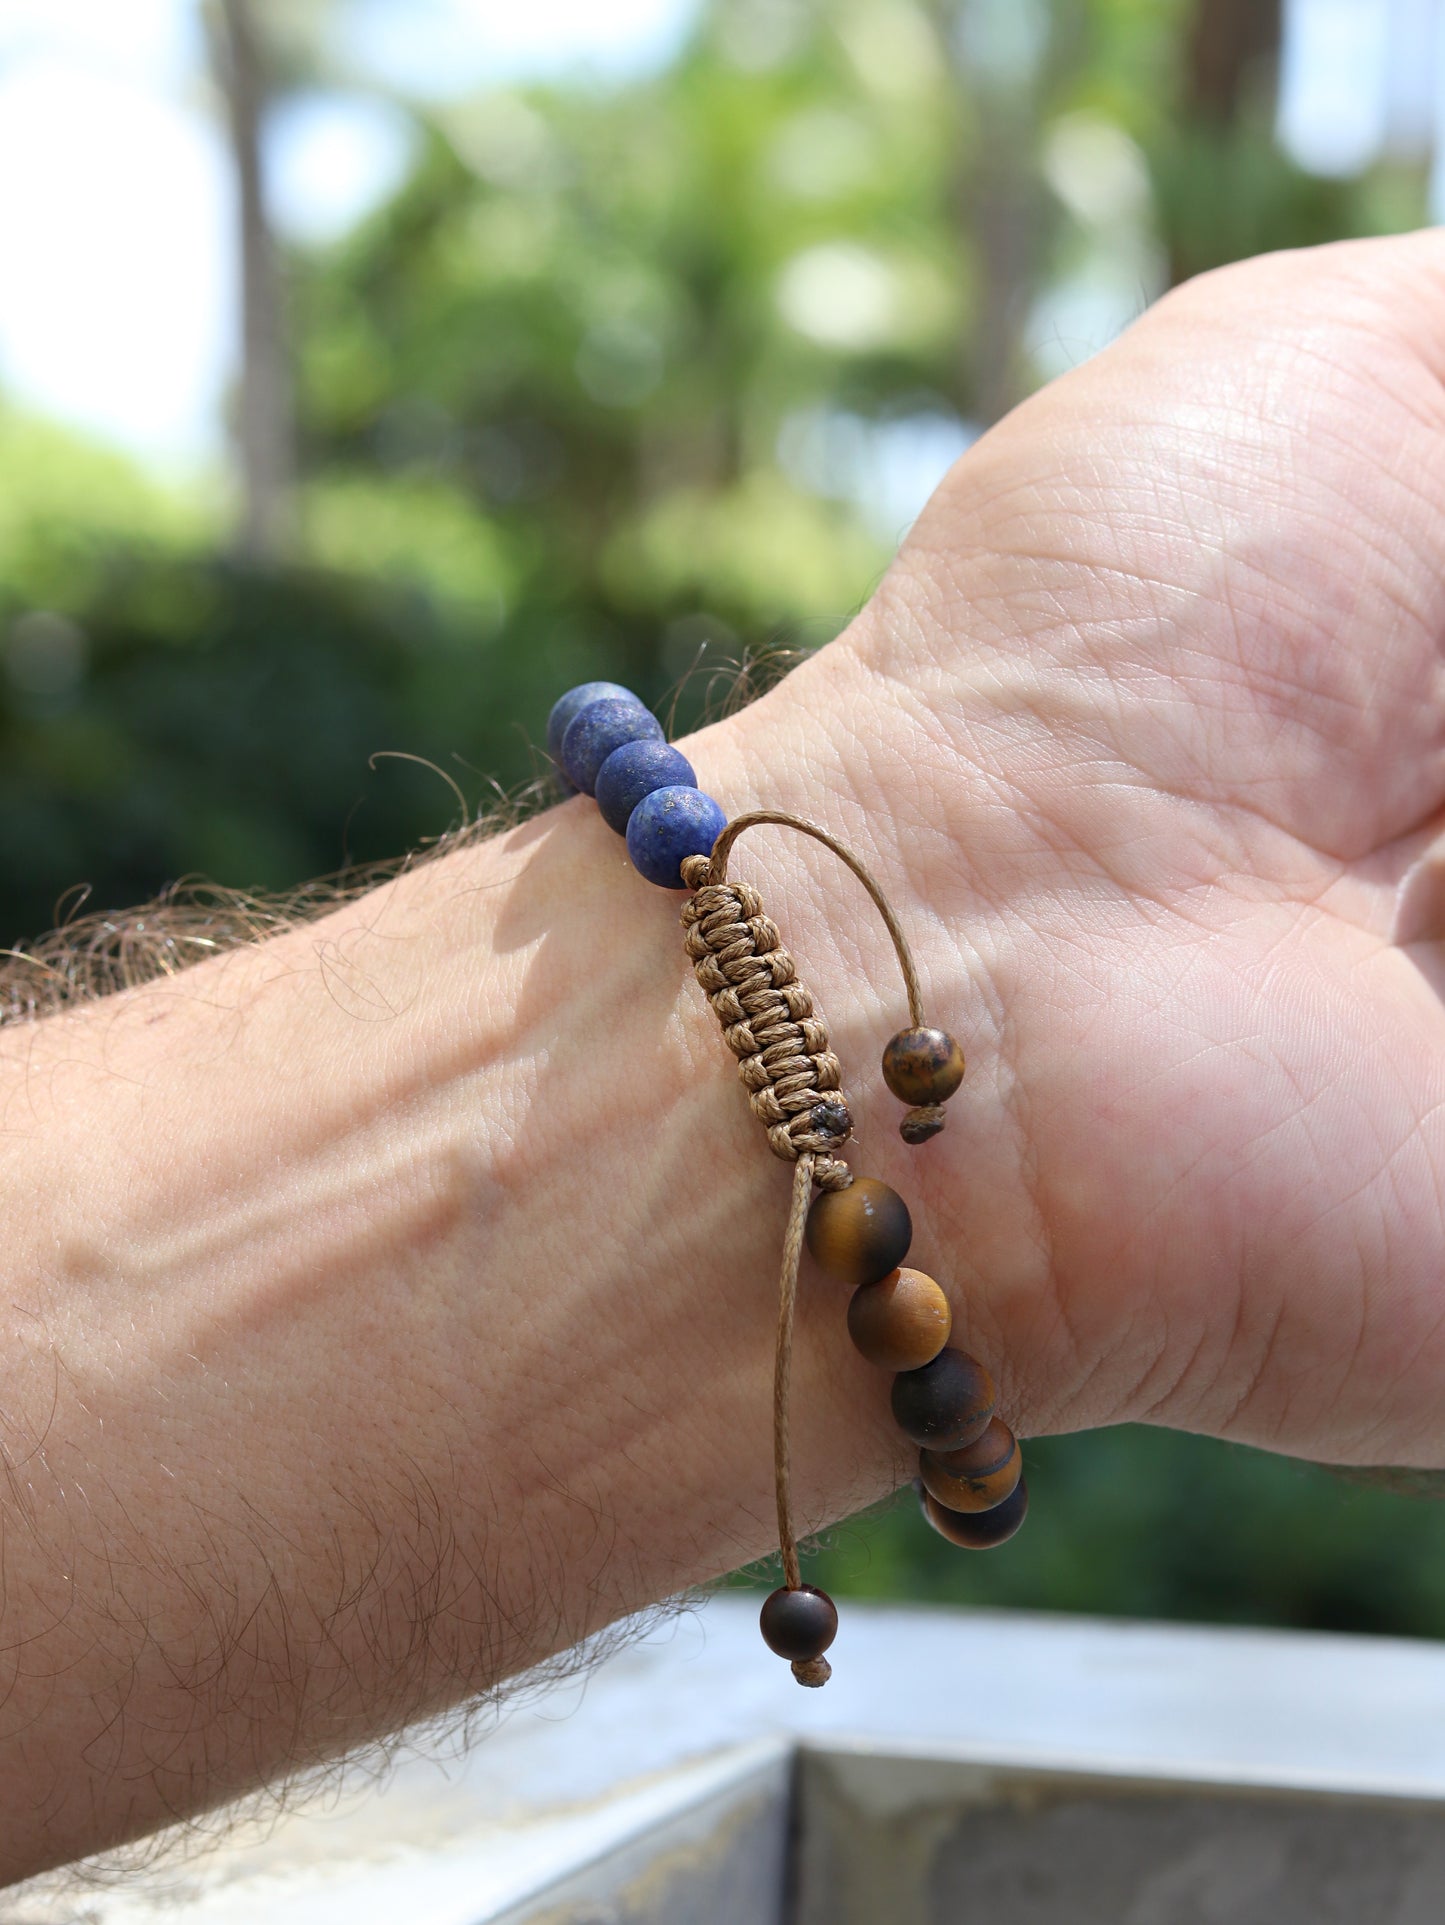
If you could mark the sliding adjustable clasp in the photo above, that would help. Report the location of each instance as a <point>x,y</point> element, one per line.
<point>785,1061</point>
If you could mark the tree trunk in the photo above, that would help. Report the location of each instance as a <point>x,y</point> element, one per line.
<point>1001,207</point>
<point>998,197</point>
<point>264,429</point>
<point>1230,54</point>
<point>1229,42</point>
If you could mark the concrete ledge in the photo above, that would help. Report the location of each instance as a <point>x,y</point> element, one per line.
<point>659,1786</point>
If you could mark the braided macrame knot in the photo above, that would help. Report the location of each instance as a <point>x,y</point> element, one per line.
<point>768,1021</point>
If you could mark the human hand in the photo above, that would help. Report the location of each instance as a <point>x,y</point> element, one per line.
<point>1151,713</point>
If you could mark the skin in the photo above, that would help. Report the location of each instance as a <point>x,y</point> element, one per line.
<point>390,1305</point>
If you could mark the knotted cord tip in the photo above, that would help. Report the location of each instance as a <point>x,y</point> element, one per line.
<point>926,1120</point>
<point>812,1672</point>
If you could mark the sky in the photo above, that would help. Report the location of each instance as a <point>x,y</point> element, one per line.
<point>117,279</point>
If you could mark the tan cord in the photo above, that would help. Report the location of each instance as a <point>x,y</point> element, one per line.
<point>787,1066</point>
<point>783,1366</point>
<point>722,848</point>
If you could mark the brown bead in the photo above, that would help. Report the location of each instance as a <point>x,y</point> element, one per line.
<point>945,1404</point>
<point>979,1530</point>
<point>799,1624</point>
<point>859,1234</point>
<point>901,1322</point>
<point>977,1477</point>
<point>923,1066</point>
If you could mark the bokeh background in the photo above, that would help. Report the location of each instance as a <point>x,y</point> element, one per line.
<point>372,370</point>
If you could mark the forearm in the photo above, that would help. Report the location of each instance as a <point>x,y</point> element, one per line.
<point>389,1306</point>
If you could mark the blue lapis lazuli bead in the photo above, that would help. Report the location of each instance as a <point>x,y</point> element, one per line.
<point>668,826</point>
<point>573,702</point>
<point>599,728</point>
<point>635,770</point>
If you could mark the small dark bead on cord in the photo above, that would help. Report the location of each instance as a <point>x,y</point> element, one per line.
<point>979,1530</point>
<point>799,1623</point>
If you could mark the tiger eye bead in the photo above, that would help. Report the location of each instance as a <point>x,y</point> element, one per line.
<point>979,1530</point>
<point>799,1624</point>
<point>901,1322</point>
<point>859,1234</point>
<point>945,1404</point>
<point>977,1477</point>
<point>923,1066</point>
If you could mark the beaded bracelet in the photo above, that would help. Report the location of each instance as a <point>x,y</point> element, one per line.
<point>858,1230</point>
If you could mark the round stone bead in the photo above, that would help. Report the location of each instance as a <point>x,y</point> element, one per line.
<point>599,728</point>
<point>668,826</point>
<point>799,1624</point>
<point>573,702</point>
<point>635,770</point>
<point>979,1530</point>
<point>859,1234</point>
<point>977,1477</point>
<point>923,1066</point>
<point>901,1322</point>
<point>944,1404</point>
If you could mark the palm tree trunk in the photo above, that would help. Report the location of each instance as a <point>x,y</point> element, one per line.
<point>264,429</point>
<point>1229,42</point>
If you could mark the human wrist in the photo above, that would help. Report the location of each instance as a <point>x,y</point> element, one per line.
<point>894,738</point>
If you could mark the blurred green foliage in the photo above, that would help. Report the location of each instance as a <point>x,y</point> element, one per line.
<point>622,380</point>
<point>1156,1524</point>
